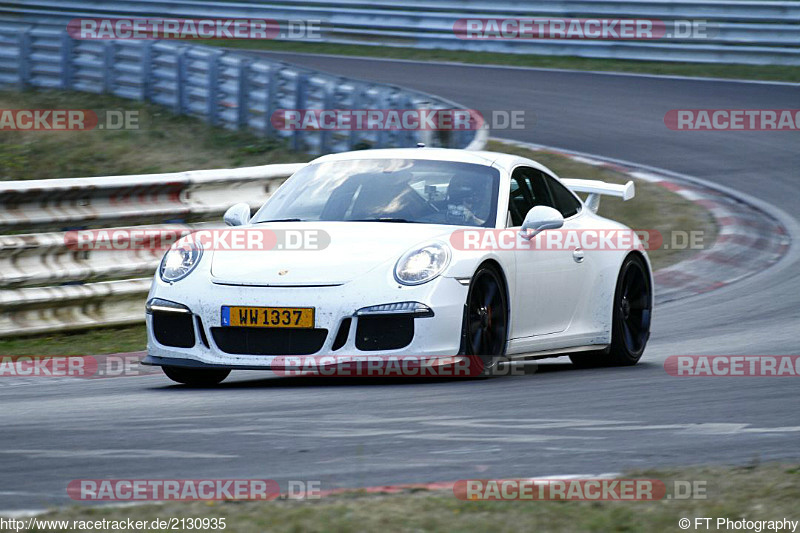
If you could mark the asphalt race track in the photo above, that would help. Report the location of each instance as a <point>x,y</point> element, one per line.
<point>554,420</point>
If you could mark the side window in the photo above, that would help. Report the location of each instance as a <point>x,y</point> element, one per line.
<point>528,189</point>
<point>563,198</point>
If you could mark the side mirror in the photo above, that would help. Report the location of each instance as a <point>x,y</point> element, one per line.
<point>237,215</point>
<point>538,219</point>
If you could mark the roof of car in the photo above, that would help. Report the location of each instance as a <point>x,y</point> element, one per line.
<point>479,157</point>
<point>440,154</point>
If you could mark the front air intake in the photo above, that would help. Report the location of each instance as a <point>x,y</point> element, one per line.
<point>173,329</point>
<point>269,341</point>
<point>384,332</point>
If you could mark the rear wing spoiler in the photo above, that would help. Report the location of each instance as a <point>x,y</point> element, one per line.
<point>596,188</point>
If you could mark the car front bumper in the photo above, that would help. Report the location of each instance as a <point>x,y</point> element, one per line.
<point>434,336</point>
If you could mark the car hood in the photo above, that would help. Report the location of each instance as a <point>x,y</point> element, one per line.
<point>348,250</point>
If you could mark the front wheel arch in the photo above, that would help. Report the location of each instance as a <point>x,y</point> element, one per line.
<point>492,263</point>
<point>499,274</point>
<point>502,273</point>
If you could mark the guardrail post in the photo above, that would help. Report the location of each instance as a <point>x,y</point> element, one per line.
<point>445,137</point>
<point>67,46</point>
<point>383,102</point>
<point>180,81</point>
<point>212,107</point>
<point>300,103</point>
<point>425,136</point>
<point>147,70</point>
<point>408,138</point>
<point>325,134</point>
<point>24,58</point>
<point>354,139</point>
<point>242,95</point>
<point>269,105</point>
<point>109,50</point>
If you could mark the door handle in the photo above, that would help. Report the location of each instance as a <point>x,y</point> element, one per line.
<point>578,255</point>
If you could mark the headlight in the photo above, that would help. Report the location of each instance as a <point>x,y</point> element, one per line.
<point>180,261</point>
<point>422,264</point>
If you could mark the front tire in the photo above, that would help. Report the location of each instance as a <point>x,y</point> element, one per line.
<point>630,328</point>
<point>485,328</point>
<point>196,377</point>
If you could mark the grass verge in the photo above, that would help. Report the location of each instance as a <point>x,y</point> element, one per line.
<point>715,70</point>
<point>163,142</point>
<point>765,492</point>
<point>119,339</point>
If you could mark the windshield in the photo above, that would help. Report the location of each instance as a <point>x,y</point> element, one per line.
<point>388,190</point>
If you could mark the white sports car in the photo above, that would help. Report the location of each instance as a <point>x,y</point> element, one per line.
<point>429,252</point>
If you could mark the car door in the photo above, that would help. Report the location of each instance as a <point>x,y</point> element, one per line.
<point>548,281</point>
<point>562,299</point>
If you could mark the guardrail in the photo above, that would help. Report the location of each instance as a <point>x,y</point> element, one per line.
<point>224,88</point>
<point>48,285</point>
<point>744,31</point>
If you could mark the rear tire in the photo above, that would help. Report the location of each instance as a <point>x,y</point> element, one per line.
<point>196,377</point>
<point>630,328</point>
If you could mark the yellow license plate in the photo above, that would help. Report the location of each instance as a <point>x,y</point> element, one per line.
<point>268,317</point>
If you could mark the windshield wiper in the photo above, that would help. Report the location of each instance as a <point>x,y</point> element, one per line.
<point>382,219</point>
<point>280,220</point>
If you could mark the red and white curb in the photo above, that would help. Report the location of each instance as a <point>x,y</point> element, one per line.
<point>748,241</point>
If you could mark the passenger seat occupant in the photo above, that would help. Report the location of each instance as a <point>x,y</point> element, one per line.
<point>468,199</point>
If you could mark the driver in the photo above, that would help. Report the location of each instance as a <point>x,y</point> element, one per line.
<point>464,200</point>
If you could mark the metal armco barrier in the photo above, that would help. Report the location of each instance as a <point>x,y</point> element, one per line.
<point>47,285</point>
<point>80,202</point>
<point>229,89</point>
<point>743,31</point>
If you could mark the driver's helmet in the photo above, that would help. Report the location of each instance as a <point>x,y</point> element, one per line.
<point>466,198</point>
<point>464,188</point>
